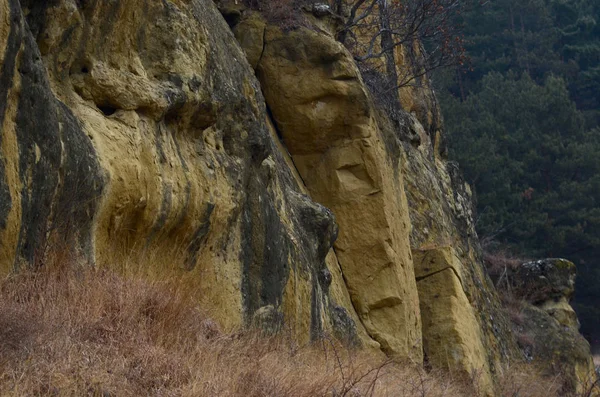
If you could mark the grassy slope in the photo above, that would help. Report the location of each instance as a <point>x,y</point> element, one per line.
<point>71,330</point>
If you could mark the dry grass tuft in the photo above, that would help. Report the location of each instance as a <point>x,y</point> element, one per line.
<point>69,330</point>
<point>527,380</point>
<point>498,262</point>
<point>73,330</point>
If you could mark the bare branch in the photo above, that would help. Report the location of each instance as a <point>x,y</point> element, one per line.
<point>424,24</point>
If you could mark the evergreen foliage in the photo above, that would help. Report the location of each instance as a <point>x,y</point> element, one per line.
<point>524,124</point>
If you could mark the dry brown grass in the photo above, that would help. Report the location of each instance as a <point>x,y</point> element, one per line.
<point>68,330</point>
<point>528,381</point>
<point>72,330</point>
<point>499,261</point>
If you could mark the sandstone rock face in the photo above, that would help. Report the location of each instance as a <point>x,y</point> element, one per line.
<point>325,117</point>
<point>128,125</point>
<point>559,350</point>
<point>441,216</point>
<point>358,162</point>
<point>443,231</point>
<point>141,126</point>
<point>451,333</point>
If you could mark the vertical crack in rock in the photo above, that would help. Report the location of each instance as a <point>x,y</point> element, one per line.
<point>266,250</point>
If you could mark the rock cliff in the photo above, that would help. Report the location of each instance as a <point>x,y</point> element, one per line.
<point>404,214</point>
<point>255,158</point>
<point>139,124</point>
<point>546,325</point>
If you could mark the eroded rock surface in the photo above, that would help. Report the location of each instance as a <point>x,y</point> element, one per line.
<point>548,324</point>
<point>358,161</point>
<point>325,117</point>
<point>128,125</point>
<point>264,172</point>
<point>451,333</point>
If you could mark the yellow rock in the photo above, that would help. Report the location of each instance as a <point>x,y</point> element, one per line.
<point>323,112</point>
<point>452,336</point>
<point>441,215</point>
<point>135,134</point>
<point>562,312</point>
<point>250,35</point>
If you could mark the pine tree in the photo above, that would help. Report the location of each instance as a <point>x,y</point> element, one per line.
<point>524,123</point>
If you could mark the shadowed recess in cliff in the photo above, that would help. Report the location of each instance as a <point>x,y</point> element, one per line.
<point>81,185</point>
<point>56,160</point>
<point>266,248</point>
<point>6,82</point>
<point>39,151</point>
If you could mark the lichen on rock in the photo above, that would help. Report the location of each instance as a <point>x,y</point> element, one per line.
<point>550,324</point>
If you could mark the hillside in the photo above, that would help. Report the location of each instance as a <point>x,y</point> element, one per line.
<point>240,156</point>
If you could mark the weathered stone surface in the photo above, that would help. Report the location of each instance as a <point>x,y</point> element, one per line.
<point>452,336</point>
<point>544,280</point>
<point>550,324</point>
<point>562,311</point>
<point>250,34</point>
<point>441,215</point>
<point>137,125</point>
<point>560,351</point>
<point>46,157</point>
<point>325,117</point>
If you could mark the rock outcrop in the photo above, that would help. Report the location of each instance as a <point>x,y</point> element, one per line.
<point>451,332</point>
<point>547,326</point>
<point>323,113</point>
<point>362,164</point>
<point>136,125</point>
<point>257,165</point>
<point>452,282</point>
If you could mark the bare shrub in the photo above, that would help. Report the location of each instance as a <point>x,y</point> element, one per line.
<point>501,264</point>
<point>287,14</point>
<point>424,31</point>
<point>527,380</point>
<point>501,260</point>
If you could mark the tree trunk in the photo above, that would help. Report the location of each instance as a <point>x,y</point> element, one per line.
<point>387,42</point>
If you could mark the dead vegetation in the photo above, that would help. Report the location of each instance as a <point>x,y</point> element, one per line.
<point>287,14</point>
<point>73,330</point>
<point>528,381</point>
<point>70,330</point>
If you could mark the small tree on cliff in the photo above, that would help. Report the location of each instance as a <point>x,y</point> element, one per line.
<point>423,33</point>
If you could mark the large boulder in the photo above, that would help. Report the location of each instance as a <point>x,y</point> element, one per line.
<point>452,336</point>
<point>544,280</point>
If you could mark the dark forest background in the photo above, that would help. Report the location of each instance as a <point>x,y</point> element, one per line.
<point>523,122</point>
